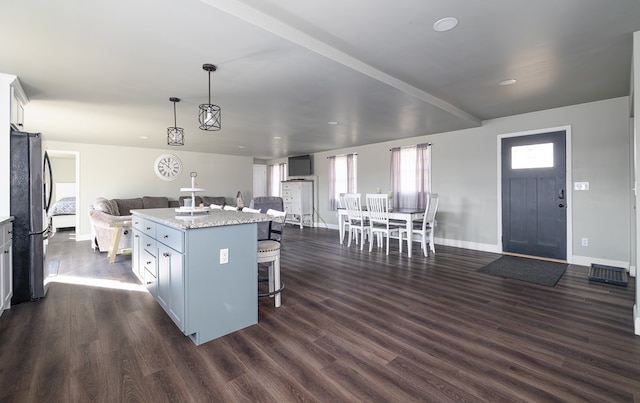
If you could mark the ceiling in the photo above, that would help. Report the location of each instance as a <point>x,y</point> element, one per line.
<point>103,72</point>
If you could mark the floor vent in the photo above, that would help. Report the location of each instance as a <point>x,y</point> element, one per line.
<point>608,274</point>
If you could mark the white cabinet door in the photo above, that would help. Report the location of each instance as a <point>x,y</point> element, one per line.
<point>6,266</point>
<point>171,283</point>
<point>176,277</point>
<point>7,275</point>
<point>136,264</point>
<point>164,282</point>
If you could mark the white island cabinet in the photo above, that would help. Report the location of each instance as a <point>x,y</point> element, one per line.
<point>180,261</point>
<point>6,263</point>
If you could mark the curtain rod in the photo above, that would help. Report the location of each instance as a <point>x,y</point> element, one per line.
<point>415,145</point>
<point>341,155</point>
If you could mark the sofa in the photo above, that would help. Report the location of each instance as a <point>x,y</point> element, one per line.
<point>104,212</point>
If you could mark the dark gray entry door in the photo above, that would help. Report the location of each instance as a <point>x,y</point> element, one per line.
<point>534,215</point>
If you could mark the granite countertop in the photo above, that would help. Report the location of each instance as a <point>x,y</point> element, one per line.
<point>5,219</point>
<point>214,218</point>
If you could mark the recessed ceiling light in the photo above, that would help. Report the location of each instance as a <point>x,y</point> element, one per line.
<point>332,123</point>
<point>241,147</point>
<point>445,24</point>
<point>144,137</point>
<point>509,81</point>
<point>277,137</point>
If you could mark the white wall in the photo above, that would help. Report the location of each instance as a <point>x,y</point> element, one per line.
<point>126,172</point>
<point>64,170</point>
<point>5,137</point>
<point>465,176</point>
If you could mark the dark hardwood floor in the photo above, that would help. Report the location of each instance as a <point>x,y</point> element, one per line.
<point>353,326</point>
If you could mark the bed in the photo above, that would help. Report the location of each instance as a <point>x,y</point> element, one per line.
<point>62,213</point>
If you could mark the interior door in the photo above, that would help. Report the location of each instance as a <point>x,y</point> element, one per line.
<point>534,214</point>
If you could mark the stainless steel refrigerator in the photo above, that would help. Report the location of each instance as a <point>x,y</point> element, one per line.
<point>29,225</point>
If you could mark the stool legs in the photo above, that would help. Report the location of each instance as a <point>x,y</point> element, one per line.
<point>274,279</point>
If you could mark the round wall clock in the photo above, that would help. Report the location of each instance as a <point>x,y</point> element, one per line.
<point>168,167</point>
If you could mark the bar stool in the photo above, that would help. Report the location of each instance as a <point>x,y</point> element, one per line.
<point>269,252</point>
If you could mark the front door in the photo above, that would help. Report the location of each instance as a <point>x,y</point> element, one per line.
<point>534,215</point>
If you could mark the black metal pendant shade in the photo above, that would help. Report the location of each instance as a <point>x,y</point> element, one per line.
<point>175,134</point>
<point>209,115</point>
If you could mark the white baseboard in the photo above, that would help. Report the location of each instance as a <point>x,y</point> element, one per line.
<point>484,247</point>
<point>636,319</point>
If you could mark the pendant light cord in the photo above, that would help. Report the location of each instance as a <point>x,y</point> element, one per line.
<point>175,120</point>
<point>209,87</point>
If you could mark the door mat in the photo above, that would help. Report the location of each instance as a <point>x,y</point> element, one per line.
<point>608,274</point>
<point>525,269</point>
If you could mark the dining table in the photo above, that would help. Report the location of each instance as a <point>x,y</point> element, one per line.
<point>406,215</point>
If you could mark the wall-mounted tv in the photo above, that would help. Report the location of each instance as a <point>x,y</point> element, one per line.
<point>301,165</point>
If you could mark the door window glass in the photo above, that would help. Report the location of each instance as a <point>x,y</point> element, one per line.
<point>532,156</point>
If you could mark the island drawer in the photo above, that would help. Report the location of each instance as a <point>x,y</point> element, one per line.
<point>151,282</point>
<point>173,238</point>
<point>149,262</point>
<point>138,223</point>
<point>149,244</point>
<point>149,228</point>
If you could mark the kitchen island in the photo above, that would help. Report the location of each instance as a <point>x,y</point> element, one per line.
<point>201,269</point>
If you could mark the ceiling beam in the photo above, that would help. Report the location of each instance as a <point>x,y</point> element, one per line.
<point>286,31</point>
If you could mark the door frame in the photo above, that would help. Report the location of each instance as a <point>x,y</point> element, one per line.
<point>53,153</point>
<point>568,187</point>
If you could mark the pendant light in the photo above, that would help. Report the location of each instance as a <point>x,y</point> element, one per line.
<point>175,134</point>
<point>209,114</point>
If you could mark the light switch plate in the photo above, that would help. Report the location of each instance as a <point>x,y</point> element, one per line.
<point>580,185</point>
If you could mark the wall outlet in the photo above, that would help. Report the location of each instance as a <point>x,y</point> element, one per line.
<point>224,256</point>
<point>585,241</point>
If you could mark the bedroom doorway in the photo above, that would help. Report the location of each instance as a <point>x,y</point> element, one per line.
<point>65,184</point>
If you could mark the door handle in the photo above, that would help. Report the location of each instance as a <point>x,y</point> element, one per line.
<point>561,205</point>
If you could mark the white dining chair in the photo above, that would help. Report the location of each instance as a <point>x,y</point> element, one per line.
<point>379,225</point>
<point>425,228</point>
<point>355,218</point>
<point>345,221</point>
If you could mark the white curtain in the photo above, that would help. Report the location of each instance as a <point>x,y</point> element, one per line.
<point>410,176</point>
<point>275,175</point>
<point>342,177</point>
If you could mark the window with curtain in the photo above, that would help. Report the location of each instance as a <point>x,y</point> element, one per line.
<point>275,174</point>
<point>411,176</point>
<point>342,177</point>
